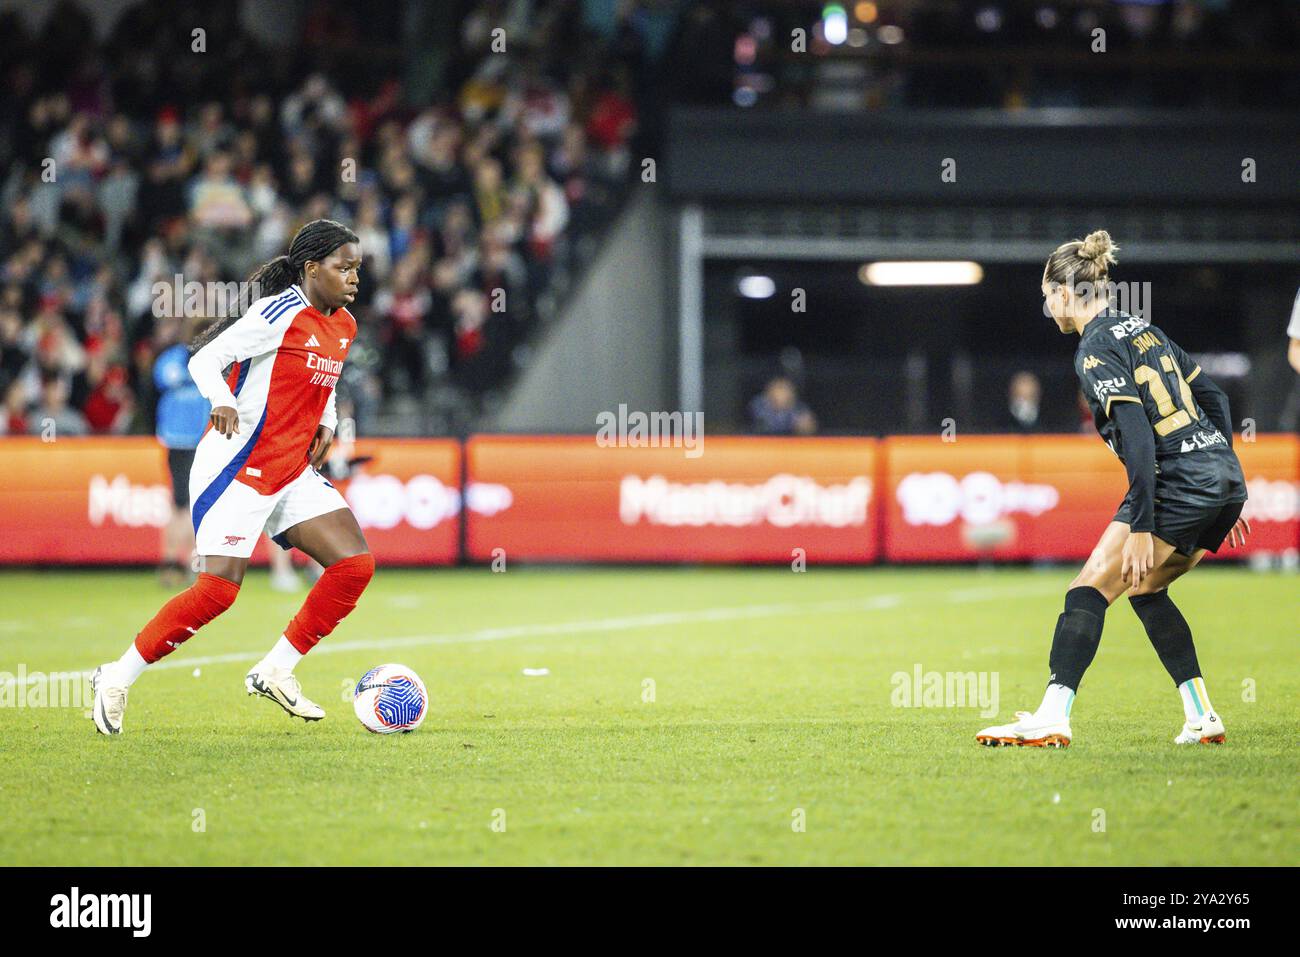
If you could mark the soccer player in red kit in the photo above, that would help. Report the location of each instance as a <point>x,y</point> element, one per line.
<point>272,422</point>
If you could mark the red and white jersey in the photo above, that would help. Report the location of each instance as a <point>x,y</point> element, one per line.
<point>285,357</point>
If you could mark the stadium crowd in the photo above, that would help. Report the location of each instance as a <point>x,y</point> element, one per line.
<point>130,171</point>
<point>131,162</point>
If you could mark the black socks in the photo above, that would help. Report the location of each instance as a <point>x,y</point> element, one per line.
<point>1169,634</point>
<point>1078,633</point>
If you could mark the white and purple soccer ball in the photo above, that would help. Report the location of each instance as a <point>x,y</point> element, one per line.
<point>390,698</point>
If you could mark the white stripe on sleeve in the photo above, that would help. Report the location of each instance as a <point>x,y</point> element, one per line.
<point>248,336</point>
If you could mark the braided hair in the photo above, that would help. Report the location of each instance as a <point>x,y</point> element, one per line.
<point>312,243</point>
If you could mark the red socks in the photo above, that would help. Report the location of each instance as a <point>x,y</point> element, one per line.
<point>185,614</point>
<point>330,600</point>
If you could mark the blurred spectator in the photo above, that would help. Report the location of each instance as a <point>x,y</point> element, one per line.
<point>370,229</point>
<point>52,416</point>
<point>80,154</point>
<point>316,107</point>
<point>170,164</point>
<point>544,203</point>
<point>13,353</point>
<point>182,418</point>
<point>403,309</point>
<point>613,119</point>
<point>217,200</point>
<point>219,209</point>
<point>109,406</point>
<point>489,194</point>
<point>13,416</point>
<point>1024,396</point>
<point>440,173</point>
<point>778,411</point>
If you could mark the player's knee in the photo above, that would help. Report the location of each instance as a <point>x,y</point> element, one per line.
<point>366,566</point>
<point>1110,586</point>
<point>1146,589</point>
<point>355,571</point>
<point>212,596</point>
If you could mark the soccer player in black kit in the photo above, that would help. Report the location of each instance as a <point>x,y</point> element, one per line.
<point>1170,426</point>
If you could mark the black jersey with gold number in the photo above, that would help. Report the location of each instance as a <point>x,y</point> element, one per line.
<point>1123,358</point>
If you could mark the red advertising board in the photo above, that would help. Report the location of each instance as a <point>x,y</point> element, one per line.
<point>740,500</point>
<point>1272,467</point>
<point>407,499</point>
<point>105,500</point>
<point>900,499</point>
<point>1047,497</point>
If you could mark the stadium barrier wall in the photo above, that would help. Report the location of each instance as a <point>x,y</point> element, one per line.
<point>105,500</point>
<point>564,498</point>
<point>742,500</point>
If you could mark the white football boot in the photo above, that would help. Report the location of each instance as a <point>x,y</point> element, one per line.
<point>1208,730</point>
<point>281,686</point>
<point>1027,732</point>
<point>109,704</point>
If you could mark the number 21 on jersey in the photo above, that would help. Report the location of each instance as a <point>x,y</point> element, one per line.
<point>1172,417</point>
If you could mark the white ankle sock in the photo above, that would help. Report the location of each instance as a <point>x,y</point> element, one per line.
<point>283,655</point>
<point>129,667</point>
<point>1196,700</point>
<point>1057,702</point>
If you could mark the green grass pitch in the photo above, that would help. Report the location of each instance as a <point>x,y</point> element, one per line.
<point>774,705</point>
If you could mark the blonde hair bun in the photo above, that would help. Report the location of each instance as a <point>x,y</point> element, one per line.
<point>1099,248</point>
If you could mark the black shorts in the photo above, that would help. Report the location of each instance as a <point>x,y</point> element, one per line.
<point>178,463</point>
<point>1189,527</point>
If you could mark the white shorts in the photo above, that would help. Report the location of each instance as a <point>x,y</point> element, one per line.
<point>233,523</point>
